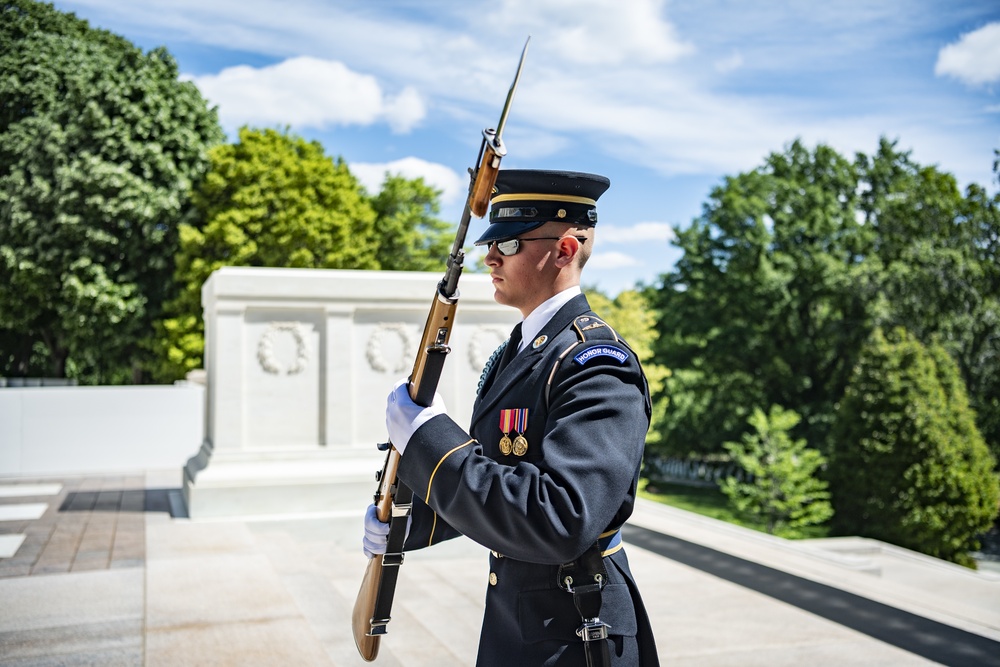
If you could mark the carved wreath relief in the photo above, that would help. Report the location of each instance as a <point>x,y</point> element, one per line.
<point>265,349</point>
<point>373,352</point>
<point>483,341</point>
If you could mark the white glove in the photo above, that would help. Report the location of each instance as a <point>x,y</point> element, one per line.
<point>376,537</point>
<point>376,534</point>
<point>403,416</point>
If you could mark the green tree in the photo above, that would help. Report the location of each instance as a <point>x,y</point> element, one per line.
<point>411,237</point>
<point>271,199</point>
<point>767,303</point>
<point>976,344</point>
<point>99,145</point>
<point>940,267</point>
<point>908,464</point>
<point>783,493</point>
<point>792,265</point>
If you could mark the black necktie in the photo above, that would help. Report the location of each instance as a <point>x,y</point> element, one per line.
<point>511,350</point>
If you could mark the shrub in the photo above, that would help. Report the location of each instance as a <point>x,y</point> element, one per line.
<point>783,494</point>
<point>908,465</point>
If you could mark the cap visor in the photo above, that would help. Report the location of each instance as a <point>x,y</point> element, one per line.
<point>500,231</point>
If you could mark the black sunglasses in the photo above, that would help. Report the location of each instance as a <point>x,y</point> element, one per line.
<point>511,246</point>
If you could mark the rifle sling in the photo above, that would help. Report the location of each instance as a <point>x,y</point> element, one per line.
<point>393,557</point>
<point>585,578</point>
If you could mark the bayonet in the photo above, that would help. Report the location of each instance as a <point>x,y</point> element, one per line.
<point>492,151</point>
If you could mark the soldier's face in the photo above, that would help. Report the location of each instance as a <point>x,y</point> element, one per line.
<point>523,280</point>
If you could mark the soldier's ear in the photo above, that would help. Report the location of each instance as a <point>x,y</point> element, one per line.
<point>566,250</point>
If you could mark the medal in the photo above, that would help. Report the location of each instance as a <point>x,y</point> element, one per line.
<point>516,420</point>
<point>506,424</point>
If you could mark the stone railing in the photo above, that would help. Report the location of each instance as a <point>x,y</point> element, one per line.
<point>37,382</point>
<point>699,472</point>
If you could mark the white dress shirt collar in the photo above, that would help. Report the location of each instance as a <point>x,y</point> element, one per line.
<point>541,315</point>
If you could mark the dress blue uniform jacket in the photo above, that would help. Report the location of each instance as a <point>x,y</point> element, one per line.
<point>588,412</point>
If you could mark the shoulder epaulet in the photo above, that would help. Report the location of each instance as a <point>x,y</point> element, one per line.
<point>591,327</point>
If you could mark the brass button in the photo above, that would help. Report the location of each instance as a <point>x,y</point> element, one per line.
<point>493,578</point>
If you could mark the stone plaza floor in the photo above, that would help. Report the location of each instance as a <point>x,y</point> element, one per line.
<point>96,571</point>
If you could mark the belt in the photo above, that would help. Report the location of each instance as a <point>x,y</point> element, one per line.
<point>608,542</point>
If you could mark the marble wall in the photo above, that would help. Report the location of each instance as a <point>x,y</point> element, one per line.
<point>299,363</point>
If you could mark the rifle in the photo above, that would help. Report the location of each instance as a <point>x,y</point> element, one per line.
<point>392,497</point>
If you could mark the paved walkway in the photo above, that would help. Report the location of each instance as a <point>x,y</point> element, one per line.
<point>102,575</point>
<point>72,525</point>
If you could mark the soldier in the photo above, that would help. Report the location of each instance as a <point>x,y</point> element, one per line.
<point>547,473</point>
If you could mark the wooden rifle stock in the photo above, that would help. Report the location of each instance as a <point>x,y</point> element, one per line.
<point>392,498</point>
<point>364,605</point>
<point>365,625</point>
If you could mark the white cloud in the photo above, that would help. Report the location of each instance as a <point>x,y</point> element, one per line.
<point>637,233</point>
<point>730,63</point>
<point>974,59</point>
<point>643,82</point>
<point>404,111</point>
<point>664,123</point>
<point>611,260</point>
<point>307,92</point>
<point>596,32</point>
<point>452,186</point>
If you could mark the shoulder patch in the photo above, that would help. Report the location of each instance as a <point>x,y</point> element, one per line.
<point>590,353</point>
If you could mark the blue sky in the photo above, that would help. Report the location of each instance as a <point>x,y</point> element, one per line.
<point>665,98</point>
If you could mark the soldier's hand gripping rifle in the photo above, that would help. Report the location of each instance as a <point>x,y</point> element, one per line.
<point>392,498</point>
